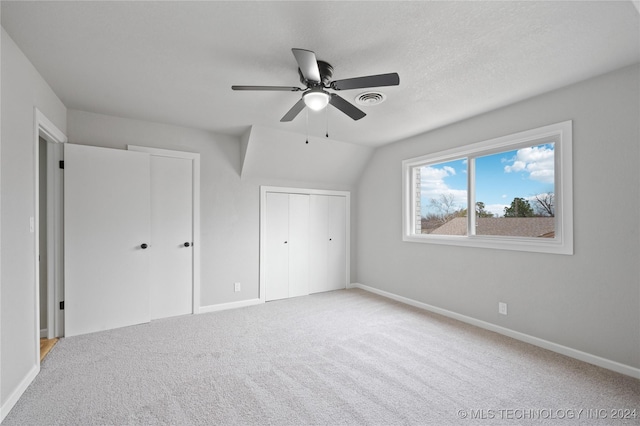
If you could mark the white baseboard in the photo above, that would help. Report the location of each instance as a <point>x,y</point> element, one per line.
<point>230,305</point>
<point>17,393</point>
<point>555,347</point>
<point>44,332</point>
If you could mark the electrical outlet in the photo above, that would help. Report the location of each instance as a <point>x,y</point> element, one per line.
<point>236,287</point>
<point>502,308</point>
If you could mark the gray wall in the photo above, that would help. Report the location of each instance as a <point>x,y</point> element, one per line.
<point>589,301</point>
<point>229,205</point>
<point>22,90</point>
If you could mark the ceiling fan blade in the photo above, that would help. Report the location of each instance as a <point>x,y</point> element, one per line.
<point>294,111</point>
<point>308,64</point>
<point>391,79</point>
<point>277,88</point>
<point>346,107</point>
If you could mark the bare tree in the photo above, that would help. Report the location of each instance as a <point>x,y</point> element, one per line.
<point>445,206</point>
<point>545,204</point>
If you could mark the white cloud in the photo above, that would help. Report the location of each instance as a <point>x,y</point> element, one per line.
<point>545,176</point>
<point>433,185</point>
<point>517,166</point>
<point>496,209</point>
<point>538,161</point>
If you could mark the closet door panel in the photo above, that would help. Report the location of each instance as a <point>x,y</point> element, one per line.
<point>171,226</point>
<point>277,246</point>
<point>337,253</point>
<point>106,234</point>
<point>319,243</point>
<point>298,245</point>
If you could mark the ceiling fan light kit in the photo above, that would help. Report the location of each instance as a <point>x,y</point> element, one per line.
<point>316,99</point>
<point>316,76</point>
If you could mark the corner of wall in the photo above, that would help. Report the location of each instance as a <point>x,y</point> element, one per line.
<point>244,146</point>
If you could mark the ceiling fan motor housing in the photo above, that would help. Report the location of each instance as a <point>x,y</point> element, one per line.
<point>326,73</point>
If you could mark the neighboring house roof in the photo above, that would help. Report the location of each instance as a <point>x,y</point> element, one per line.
<point>508,226</point>
<point>456,226</point>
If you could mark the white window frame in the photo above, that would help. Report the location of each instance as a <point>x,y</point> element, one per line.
<point>562,243</point>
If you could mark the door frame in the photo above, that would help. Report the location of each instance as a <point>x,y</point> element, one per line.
<point>305,191</point>
<point>195,161</point>
<point>45,129</point>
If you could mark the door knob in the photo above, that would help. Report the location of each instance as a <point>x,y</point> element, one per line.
<point>143,246</point>
<point>187,244</point>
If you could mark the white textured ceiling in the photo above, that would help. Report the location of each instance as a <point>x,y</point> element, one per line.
<point>175,62</point>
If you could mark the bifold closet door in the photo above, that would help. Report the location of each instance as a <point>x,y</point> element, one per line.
<point>337,254</point>
<point>106,238</point>
<point>327,243</point>
<point>286,245</point>
<point>298,245</point>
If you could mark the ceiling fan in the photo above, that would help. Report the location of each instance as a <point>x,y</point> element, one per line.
<point>316,76</point>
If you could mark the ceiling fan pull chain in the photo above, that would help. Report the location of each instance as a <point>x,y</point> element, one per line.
<point>307,120</point>
<point>327,115</point>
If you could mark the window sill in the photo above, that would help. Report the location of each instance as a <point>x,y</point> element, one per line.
<point>538,245</point>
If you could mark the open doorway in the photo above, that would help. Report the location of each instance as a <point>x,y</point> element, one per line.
<point>46,343</point>
<point>48,231</point>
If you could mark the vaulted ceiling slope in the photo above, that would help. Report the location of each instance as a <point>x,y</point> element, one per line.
<point>285,156</point>
<point>175,62</point>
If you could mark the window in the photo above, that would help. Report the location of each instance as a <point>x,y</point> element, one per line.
<point>517,187</point>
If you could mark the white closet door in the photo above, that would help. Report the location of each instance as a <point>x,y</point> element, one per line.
<point>328,268</point>
<point>171,291</point>
<point>319,243</point>
<point>106,222</point>
<point>277,246</point>
<point>337,253</point>
<point>298,245</point>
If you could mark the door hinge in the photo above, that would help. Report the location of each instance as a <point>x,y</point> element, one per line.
<point>62,305</point>
<point>61,164</point>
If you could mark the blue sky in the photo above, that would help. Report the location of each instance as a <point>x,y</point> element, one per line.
<point>499,178</point>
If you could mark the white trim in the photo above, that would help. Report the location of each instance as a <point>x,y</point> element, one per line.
<point>536,341</point>
<point>44,333</point>
<point>305,191</point>
<point>19,390</point>
<point>50,132</point>
<point>230,305</point>
<point>195,157</point>
<point>563,241</point>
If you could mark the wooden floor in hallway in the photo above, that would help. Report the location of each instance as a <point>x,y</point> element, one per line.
<point>46,345</point>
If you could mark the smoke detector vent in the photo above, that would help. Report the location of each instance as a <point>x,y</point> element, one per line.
<point>370,98</point>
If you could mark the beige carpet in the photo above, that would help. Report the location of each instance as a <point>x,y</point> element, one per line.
<point>339,358</point>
